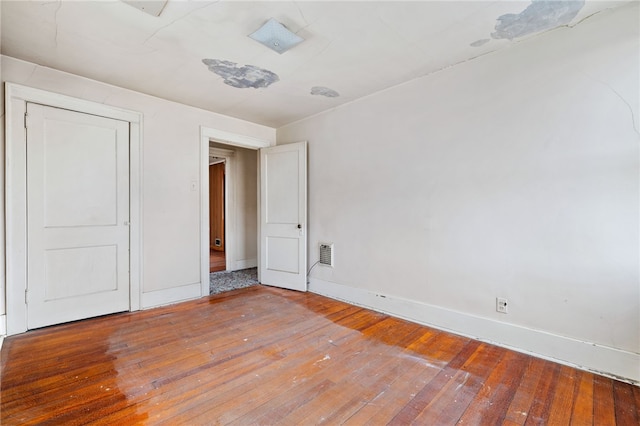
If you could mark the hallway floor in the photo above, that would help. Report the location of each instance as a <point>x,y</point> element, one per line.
<point>217,261</point>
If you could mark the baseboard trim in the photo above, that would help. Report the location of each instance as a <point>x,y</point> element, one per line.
<point>245,264</point>
<point>168,296</point>
<point>603,360</point>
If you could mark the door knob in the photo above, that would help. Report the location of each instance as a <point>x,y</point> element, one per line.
<point>299,226</point>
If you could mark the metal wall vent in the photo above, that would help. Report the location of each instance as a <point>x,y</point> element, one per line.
<point>326,254</point>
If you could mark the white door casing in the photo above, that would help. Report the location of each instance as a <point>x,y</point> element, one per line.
<point>16,98</point>
<point>77,215</point>
<point>283,216</point>
<point>207,135</point>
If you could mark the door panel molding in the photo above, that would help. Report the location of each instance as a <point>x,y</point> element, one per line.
<point>16,98</point>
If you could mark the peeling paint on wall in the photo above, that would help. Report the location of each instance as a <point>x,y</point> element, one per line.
<point>540,15</point>
<point>324,91</point>
<point>480,42</point>
<point>241,77</point>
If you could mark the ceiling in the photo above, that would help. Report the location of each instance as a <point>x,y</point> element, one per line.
<point>198,53</point>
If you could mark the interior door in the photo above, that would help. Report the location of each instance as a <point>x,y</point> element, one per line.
<point>77,215</point>
<point>283,216</point>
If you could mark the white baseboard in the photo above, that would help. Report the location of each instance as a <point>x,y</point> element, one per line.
<point>170,295</point>
<point>244,264</point>
<point>612,362</point>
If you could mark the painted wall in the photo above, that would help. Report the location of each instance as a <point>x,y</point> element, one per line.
<point>247,207</point>
<point>171,163</point>
<point>244,252</point>
<point>512,175</point>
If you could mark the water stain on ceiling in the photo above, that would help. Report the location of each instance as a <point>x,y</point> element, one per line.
<point>540,15</point>
<point>241,77</point>
<point>324,91</point>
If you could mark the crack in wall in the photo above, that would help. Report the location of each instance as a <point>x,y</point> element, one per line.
<point>301,14</point>
<point>607,85</point>
<point>33,71</point>
<point>176,20</point>
<point>55,20</point>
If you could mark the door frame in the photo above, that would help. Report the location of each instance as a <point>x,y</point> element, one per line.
<point>16,98</point>
<point>208,134</point>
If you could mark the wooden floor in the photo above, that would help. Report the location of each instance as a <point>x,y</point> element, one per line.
<point>217,261</point>
<point>267,356</point>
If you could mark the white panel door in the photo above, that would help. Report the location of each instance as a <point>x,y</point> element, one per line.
<point>77,215</point>
<point>283,216</point>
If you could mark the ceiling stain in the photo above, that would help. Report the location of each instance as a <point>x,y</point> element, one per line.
<point>241,77</point>
<point>480,42</point>
<point>540,15</point>
<point>324,91</point>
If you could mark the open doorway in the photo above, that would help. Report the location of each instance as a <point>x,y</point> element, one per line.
<point>241,212</point>
<point>233,217</point>
<point>217,201</point>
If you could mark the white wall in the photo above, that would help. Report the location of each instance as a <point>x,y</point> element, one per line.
<point>511,175</point>
<point>247,183</point>
<point>171,163</point>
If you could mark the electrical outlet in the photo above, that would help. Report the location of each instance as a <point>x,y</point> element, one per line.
<point>501,305</point>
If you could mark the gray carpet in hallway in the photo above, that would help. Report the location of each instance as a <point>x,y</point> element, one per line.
<point>225,281</point>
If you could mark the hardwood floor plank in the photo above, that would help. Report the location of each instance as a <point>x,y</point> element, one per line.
<point>413,409</point>
<point>562,403</point>
<point>603,402</point>
<point>452,400</point>
<point>494,398</point>
<point>541,404</point>
<point>523,398</point>
<point>364,378</point>
<point>624,402</point>
<point>264,355</point>
<point>414,373</point>
<point>582,413</point>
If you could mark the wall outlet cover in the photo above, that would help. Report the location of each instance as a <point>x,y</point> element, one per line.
<point>501,305</point>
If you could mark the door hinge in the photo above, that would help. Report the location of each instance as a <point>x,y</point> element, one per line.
<point>25,119</point>
<point>26,300</point>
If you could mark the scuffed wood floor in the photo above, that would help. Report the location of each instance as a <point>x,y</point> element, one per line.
<point>268,356</point>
